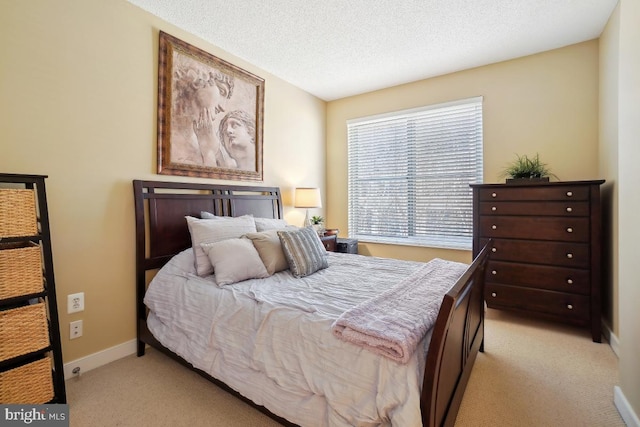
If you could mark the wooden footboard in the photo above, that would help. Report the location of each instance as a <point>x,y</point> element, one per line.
<point>457,337</point>
<point>161,232</point>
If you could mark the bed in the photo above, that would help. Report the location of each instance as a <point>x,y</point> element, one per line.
<point>435,374</point>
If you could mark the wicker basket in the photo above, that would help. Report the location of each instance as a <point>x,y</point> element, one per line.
<point>20,269</point>
<point>28,384</point>
<point>18,213</point>
<point>23,330</point>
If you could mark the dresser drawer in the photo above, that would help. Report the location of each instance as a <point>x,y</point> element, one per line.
<point>571,308</point>
<point>569,209</point>
<point>575,255</point>
<point>562,279</point>
<point>536,228</point>
<point>559,192</point>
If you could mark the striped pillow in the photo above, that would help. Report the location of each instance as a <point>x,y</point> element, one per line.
<point>304,251</point>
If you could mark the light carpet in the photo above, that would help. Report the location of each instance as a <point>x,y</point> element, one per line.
<point>532,373</point>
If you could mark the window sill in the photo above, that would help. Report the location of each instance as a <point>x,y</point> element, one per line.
<point>425,243</point>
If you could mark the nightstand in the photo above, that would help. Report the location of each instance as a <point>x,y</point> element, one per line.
<point>330,242</point>
<point>347,246</point>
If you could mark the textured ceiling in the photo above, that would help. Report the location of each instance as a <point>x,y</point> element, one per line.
<point>338,48</point>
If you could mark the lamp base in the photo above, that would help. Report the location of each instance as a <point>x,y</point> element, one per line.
<point>307,219</point>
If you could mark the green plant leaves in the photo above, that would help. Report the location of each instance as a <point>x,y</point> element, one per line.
<point>526,167</point>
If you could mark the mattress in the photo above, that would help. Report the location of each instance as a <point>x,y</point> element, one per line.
<point>271,341</point>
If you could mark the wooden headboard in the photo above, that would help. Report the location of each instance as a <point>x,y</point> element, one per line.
<point>161,207</point>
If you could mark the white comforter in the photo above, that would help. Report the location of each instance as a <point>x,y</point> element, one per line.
<point>271,340</point>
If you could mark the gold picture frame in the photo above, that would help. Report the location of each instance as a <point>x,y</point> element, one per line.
<point>210,115</point>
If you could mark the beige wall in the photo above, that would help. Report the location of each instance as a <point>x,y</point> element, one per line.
<point>78,86</point>
<point>619,151</point>
<point>608,164</point>
<point>629,200</point>
<point>78,103</point>
<point>545,103</point>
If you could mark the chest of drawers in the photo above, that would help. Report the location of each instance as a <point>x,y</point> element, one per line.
<point>545,258</point>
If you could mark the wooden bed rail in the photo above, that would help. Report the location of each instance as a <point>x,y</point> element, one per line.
<point>458,336</point>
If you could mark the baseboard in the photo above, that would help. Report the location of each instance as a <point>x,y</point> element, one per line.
<point>614,343</point>
<point>100,358</point>
<point>626,411</point>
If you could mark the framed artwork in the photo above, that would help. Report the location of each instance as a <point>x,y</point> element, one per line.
<point>210,115</point>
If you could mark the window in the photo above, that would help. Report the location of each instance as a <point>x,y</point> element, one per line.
<point>409,175</point>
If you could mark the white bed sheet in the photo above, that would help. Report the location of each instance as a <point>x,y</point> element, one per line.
<point>271,340</point>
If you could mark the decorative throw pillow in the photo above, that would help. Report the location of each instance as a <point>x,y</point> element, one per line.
<point>264,224</point>
<point>234,260</point>
<point>211,231</point>
<point>304,251</point>
<point>268,245</point>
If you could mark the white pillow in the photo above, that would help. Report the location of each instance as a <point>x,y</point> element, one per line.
<point>264,224</point>
<point>234,260</point>
<point>209,215</point>
<point>211,231</point>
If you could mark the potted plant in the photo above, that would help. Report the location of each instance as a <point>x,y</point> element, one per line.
<point>316,222</point>
<point>525,168</point>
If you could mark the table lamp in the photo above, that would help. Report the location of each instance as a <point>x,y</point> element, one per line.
<point>307,198</point>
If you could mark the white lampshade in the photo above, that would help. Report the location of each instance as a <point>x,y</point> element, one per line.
<point>307,198</point>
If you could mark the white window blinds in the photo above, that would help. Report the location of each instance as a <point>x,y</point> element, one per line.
<point>409,175</point>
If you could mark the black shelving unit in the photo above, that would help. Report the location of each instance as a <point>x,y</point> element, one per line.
<point>46,351</point>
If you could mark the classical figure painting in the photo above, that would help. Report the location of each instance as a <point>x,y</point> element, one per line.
<point>209,115</point>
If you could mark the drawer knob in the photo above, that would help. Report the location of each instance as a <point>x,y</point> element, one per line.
<point>569,230</point>
<point>569,209</point>
<point>569,306</point>
<point>493,227</point>
<point>493,294</point>
<point>494,250</point>
<point>494,195</point>
<point>493,208</point>
<point>569,193</point>
<point>494,272</point>
<point>570,281</point>
<point>570,256</point>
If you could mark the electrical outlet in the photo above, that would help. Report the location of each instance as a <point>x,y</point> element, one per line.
<point>75,302</point>
<point>75,329</point>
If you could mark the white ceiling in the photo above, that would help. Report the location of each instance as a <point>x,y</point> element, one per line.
<point>338,48</point>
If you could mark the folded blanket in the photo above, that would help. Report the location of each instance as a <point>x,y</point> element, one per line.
<point>394,322</point>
